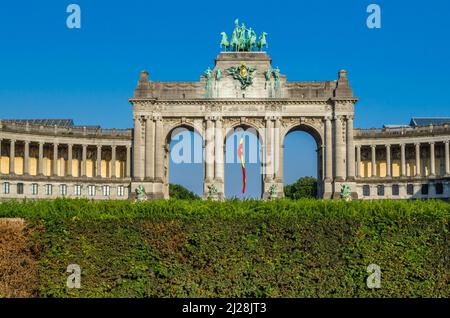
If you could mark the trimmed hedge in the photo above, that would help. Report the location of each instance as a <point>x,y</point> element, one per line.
<point>282,248</point>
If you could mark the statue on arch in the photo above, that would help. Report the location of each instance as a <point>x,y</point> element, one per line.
<point>224,42</point>
<point>346,192</point>
<point>140,193</point>
<point>262,42</point>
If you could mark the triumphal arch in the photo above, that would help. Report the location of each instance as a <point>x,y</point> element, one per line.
<point>244,89</point>
<point>49,158</point>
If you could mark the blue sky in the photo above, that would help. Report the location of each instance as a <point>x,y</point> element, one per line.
<point>47,70</point>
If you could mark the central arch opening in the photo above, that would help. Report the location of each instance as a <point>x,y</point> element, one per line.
<point>303,159</point>
<point>233,166</point>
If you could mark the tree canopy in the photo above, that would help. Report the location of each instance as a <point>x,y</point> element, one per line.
<point>305,187</point>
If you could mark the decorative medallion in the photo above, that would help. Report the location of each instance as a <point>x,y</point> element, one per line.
<point>243,73</point>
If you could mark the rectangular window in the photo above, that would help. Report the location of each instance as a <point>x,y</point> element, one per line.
<point>366,190</point>
<point>106,190</point>
<point>395,190</point>
<point>424,189</point>
<point>380,190</point>
<point>410,189</point>
<point>439,188</point>
<point>77,190</point>
<point>20,188</point>
<point>120,191</point>
<point>91,190</point>
<point>63,189</point>
<point>6,187</point>
<point>48,189</point>
<point>34,188</point>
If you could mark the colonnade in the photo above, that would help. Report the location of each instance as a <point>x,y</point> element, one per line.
<point>81,150</point>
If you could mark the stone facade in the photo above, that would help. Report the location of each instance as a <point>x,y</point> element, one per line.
<point>41,161</point>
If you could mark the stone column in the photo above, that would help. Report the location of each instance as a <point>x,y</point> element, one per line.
<point>12,156</point>
<point>350,150</point>
<point>159,147</point>
<point>447,158</point>
<point>69,159</point>
<point>388,161</point>
<point>328,150</point>
<point>41,159</point>
<point>149,148</point>
<point>374,161</point>
<point>0,154</point>
<point>358,161</point>
<point>418,168</point>
<point>55,160</point>
<point>339,155</point>
<point>432,159</point>
<point>84,161</point>
<point>218,152</point>
<point>113,161</point>
<point>209,150</point>
<point>26,158</point>
<point>403,160</point>
<point>128,163</point>
<point>99,162</point>
<point>138,172</point>
<point>280,172</point>
<point>268,150</point>
<point>276,149</point>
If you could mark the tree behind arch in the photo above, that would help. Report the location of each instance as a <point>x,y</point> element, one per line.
<point>177,191</point>
<point>305,187</point>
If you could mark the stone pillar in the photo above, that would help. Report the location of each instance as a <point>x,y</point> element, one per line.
<point>268,150</point>
<point>138,172</point>
<point>41,159</point>
<point>69,159</point>
<point>159,147</point>
<point>12,156</point>
<point>209,150</point>
<point>418,168</point>
<point>128,163</point>
<point>99,162</point>
<point>113,161</point>
<point>374,161</point>
<point>403,160</point>
<point>388,161</point>
<point>149,148</point>
<point>55,160</point>
<point>276,149</point>
<point>328,150</point>
<point>84,161</point>
<point>219,162</point>
<point>26,158</point>
<point>358,161</point>
<point>447,158</point>
<point>432,159</point>
<point>339,155</point>
<point>280,173</point>
<point>0,154</point>
<point>350,150</point>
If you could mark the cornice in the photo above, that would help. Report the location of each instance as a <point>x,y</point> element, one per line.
<point>217,101</point>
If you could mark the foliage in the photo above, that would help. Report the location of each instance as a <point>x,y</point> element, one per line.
<point>279,248</point>
<point>177,191</point>
<point>305,187</point>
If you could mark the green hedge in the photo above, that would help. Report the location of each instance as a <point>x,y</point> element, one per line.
<point>283,248</point>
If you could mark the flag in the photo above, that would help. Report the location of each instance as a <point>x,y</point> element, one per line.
<point>241,157</point>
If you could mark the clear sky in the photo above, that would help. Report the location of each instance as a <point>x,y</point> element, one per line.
<point>47,70</point>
